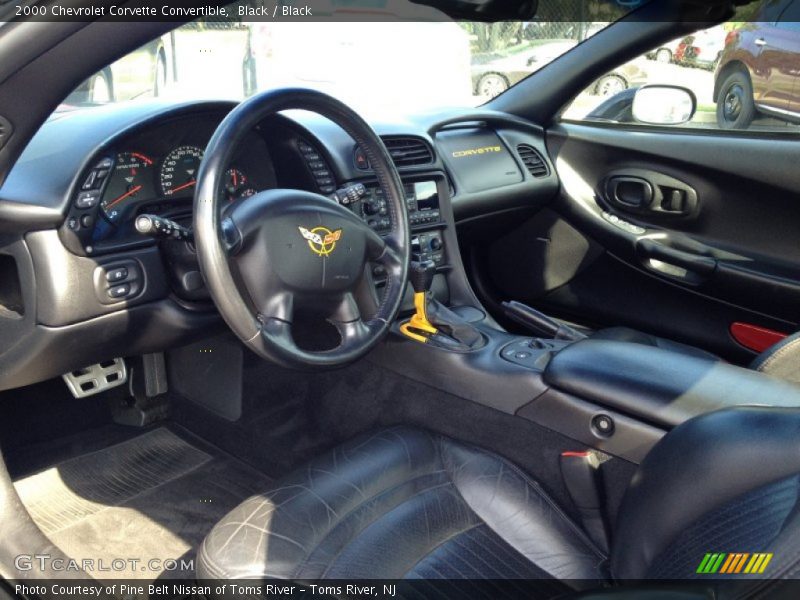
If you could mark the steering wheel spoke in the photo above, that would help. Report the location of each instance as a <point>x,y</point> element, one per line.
<point>391,259</point>
<point>346,317</point>
<point>280,306</point>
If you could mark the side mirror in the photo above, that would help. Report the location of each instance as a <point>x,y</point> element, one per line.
<point>664,105</point>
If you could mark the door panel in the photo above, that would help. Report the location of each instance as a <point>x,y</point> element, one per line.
<point>725,249</point>
<point>776,61</point>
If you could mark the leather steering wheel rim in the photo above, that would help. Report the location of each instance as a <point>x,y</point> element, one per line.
<point>259,233</point>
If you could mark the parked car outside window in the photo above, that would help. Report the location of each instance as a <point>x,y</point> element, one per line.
<point>745,74</point>
<point>758,71</point>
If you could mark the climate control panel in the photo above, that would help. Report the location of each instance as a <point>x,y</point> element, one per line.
<point>428,246</point>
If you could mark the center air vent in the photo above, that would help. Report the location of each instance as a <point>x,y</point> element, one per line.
<point>533,161</point>
<point>405,152</point>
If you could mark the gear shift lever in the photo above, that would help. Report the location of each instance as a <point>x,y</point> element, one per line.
<point>420,275</point>
<point>432,322</point>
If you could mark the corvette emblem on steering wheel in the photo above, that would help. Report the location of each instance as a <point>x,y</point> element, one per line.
<point>321,240</point>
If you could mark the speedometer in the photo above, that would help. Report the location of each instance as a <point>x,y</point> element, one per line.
<point>179,170</point>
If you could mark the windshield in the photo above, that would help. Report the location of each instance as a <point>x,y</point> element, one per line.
<point>373,62</point>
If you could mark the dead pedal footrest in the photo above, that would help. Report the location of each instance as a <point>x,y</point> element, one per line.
<point>96,378</point>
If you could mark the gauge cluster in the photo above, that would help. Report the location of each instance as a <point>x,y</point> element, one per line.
<point>155,171</point>
<point>137,179</point>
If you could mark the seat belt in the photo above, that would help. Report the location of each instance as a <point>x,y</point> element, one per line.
<point>581,474</point>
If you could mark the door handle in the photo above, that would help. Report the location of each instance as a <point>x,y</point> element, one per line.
<point>650,193</point>
<point>680,264</point>
<point>629,192</point>
<point>760,42</point>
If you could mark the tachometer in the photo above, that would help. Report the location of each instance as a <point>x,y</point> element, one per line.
<point>130,177</point>
<point>179,169</point>
<point>237,185</point>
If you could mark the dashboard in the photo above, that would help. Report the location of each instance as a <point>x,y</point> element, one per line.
<point>73,267</point>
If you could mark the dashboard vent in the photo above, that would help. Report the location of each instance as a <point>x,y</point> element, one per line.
<point>405,152</point>
<point>533,161</point>
<point>409,152</point>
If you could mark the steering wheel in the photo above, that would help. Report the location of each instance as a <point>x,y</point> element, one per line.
<point>280,250</point>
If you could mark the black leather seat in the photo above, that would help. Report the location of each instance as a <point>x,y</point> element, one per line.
<point>781,360</point>
<point>405,503</point>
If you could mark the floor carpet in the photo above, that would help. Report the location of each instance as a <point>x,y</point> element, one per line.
<point>142,503</point>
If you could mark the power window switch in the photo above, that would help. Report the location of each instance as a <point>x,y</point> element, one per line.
<point>119,291</point>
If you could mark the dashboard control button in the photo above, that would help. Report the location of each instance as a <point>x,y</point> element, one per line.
<point>119,291</point>
<point>106,163</point>
<point>119,279</point>
<point>87,221</point>
<point>73,223</point>
<point>436,244</point>
<point>361,160</point>
<point>193,280</point>
<point>90,181</point>
<point>115,275</point>
<point>87,199</point>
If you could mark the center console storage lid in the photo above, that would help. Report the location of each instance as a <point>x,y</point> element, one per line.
<point>660,386</point>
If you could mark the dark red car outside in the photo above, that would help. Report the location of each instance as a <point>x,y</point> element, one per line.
<point>759,70</point>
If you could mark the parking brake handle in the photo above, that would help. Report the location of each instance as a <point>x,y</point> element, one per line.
<point>540,323</point>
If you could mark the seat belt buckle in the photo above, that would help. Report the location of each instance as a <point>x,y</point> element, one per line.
<point>581,473</point>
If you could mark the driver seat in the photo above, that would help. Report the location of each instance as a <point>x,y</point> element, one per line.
<point>407,503</point>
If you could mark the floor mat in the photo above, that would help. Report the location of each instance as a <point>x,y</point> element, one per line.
<point>141,507</point>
